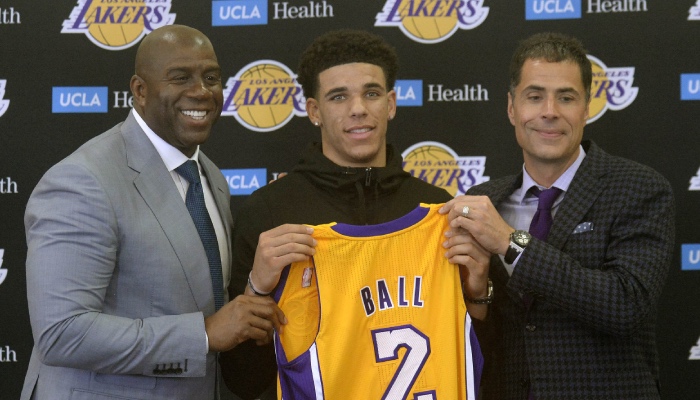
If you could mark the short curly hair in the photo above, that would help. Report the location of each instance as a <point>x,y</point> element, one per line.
<point>344,47</point>
<point>551,47</point>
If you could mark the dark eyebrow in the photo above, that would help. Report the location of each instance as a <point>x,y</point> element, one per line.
<point>560,90</point>
<point>189,70</point>
<point>336,91</point>
<point>177,70</point>
<point>373,85</point>
<point>341,89</point>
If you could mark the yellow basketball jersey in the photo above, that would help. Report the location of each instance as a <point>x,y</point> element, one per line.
<point>377,313</point>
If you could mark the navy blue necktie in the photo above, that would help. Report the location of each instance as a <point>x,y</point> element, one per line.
<point>198,211</point>
<point>542,220</point>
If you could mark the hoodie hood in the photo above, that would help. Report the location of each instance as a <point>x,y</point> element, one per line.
<point>360,186</point>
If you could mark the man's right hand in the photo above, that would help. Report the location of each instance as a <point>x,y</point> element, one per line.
<point>243,318</point>
<point>276,249</point>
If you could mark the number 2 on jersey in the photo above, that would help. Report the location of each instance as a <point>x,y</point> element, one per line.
<point>387,342</point>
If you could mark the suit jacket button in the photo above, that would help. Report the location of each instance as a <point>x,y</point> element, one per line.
<point>530,327</point>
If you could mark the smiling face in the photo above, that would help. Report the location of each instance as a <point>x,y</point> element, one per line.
<point>549,110</point>
<point>177,87</point>
<point>353,107</point>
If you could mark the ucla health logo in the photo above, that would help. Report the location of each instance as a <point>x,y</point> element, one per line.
<point>245,181</point>
<point>694,13</point>
<point>552,9</point>
<point>117,24</point>
<point>409,93</point>
<point>263,96</point>
<point>611,89</point>
<point>79,99</point>
<point>432,21</point>
<point>4,104</point>
<point>239,12</point>
<point>690,87</point>
<point>690,257</point>
<point>439,165</point>
<point>3,271</point>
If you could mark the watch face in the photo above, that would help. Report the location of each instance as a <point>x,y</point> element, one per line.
<point>521,238</point>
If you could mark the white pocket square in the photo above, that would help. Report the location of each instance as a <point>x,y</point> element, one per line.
<point>583,227</point>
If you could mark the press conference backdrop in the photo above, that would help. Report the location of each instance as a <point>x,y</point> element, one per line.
<point>65,67</point>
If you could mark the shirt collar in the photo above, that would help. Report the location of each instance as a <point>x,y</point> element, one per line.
<point>171,156</point>
<point>562,182</point>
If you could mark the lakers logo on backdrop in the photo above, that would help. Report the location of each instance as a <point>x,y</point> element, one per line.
<point>264,96</point>
<point>432,21</point>
<point>4,103</point>
<point>439,165</point>
<point>118,24</point>
<point>3,271</point>
<point>694,12</point>
<point>611,88</point>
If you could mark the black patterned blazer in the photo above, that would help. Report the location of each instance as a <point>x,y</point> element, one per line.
<point>590,330</point>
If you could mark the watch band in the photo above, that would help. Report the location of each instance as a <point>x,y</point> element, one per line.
<point>512,253</point>
<point>483,300</point>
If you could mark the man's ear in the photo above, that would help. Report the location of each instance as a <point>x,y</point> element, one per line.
<point>312,111</point>
<point>511,112</point>
<point>392,104</point>
<point>138,90</point>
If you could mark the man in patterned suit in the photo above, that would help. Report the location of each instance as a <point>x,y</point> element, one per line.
<point>574,311</point>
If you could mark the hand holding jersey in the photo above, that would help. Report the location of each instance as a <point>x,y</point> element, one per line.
<point>276,249</point>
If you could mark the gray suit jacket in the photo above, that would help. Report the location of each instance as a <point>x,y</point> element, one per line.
<point>117,279</point>
<point>596,282</point>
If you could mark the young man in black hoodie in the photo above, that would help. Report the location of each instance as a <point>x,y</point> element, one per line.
<point>353,176</point>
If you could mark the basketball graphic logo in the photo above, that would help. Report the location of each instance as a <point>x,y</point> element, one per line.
<point>439,165</point>
<point>432,21</point>
<point>264,96</point>
<point>611,89</point>
<point>118,24</point>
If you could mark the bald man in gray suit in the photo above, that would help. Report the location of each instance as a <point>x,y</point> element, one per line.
<point>120,292</point>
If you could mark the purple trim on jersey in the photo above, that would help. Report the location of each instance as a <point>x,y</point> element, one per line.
<point>477,359</point>
<point>296,379</point>
<point>277,294</point>
<point>398,224</point>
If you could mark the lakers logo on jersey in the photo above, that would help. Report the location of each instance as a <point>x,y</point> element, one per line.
<point>382,318</point>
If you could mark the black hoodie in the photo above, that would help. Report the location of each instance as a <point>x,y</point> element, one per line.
<point>317,191</point>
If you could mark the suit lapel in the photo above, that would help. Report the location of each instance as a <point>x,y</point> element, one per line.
<point>155,185</point>
<point>585,188</point>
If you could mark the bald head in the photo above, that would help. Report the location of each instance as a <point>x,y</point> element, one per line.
<point>164,40</point>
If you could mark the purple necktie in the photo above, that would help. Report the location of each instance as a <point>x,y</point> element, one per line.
<point>539,228</point>
<point>542,221</point>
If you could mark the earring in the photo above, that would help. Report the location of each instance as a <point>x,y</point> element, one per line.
<point>316,123</point>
